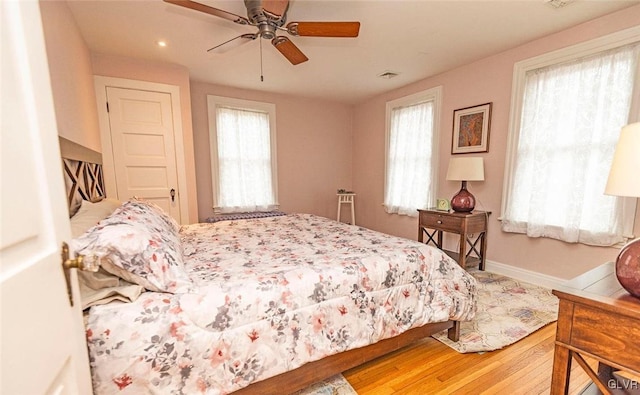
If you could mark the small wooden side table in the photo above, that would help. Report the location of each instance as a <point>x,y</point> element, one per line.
<point>432,223</point>
<point>348,199</point>
<point>605,328</point>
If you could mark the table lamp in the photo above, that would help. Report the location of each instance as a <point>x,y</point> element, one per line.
<point>465,169</point>
<point>624,180</point>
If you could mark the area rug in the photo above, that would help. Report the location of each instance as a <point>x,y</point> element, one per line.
<point>508,311</point>
<point>335,385</point>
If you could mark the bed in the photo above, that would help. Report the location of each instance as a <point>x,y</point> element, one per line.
<point>267,305</point>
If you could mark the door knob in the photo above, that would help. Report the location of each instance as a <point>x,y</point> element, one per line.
<point>172,192</point>
<point>90,263</point>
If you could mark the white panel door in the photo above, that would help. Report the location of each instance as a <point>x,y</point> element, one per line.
<point>142,139</point>
<point>42,339</point>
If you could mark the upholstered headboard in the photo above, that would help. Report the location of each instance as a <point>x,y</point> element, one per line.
<point>83,176</point>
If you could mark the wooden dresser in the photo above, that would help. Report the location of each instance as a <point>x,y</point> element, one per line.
<point>605,326</point>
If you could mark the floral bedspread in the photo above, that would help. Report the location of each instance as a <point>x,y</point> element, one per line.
<point>270,295</point>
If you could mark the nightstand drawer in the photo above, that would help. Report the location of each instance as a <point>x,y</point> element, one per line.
<point>441,221</point>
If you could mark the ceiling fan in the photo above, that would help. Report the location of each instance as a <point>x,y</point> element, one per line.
<point>270,16</point>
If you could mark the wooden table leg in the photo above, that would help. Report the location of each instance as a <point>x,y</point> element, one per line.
<point>483,250</point>
<point>561,371</point>
<point>462,259</point>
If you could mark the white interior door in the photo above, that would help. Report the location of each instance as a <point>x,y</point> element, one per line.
<point>143,146</point>
<point>42,340</point>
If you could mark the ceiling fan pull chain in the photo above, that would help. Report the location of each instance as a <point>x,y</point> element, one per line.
<point>261,74</point>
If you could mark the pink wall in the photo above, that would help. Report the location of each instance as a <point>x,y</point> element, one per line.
<point>72,67</point>
<point>71,76</point>
<point>313,147</point>
<point>488,80</point>
<point>165,73</point>
<point>324,146</point>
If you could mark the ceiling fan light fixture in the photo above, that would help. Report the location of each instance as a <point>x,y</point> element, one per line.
<point>267,31</point>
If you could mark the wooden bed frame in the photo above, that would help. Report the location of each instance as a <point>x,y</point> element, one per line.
<point>83,176</point>
<point>313,372</point>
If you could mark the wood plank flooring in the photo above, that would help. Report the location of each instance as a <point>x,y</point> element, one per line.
<point>430,367</point>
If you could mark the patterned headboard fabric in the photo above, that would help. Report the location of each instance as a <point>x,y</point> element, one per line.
<point>83,176</point>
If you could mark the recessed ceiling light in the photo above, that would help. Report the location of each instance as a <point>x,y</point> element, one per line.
<point>162,43</point>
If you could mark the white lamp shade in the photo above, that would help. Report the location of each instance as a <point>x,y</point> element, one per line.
<point>624,176</point>
<point>466,169</point>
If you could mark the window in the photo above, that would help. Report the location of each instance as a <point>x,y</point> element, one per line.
<point>569,109</point>
<point>243,155</point>
<point>411,152</point>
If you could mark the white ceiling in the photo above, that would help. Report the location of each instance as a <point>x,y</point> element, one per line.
<point>415,39</point>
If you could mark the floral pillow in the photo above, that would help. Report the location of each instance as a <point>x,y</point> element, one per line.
<point>139,243</point>
<point>144,206</point>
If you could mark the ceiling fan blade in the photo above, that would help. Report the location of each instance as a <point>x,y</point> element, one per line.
<point>324,29</point>
<point>275,8</point>
<point>235,43</point>
<point>210,10</point>
<point>289,50</point>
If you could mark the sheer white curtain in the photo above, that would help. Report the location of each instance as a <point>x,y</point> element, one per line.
<point>410,171</point>
<point>571,119</point>
<point>244,161</point>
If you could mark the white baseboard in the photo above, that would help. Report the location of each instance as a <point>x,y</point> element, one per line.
<point>524,275</point>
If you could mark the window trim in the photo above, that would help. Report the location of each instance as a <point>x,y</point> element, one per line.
<point>213,102</point>
<point>433,94</point>
<point>562,55</point>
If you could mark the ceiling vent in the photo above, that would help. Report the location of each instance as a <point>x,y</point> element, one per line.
<point>558,3</point>
<point>387,75</point>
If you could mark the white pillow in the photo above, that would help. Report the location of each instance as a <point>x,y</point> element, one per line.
<point>89,214</point>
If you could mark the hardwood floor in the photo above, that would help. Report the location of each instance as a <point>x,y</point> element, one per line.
<point>430,367</point>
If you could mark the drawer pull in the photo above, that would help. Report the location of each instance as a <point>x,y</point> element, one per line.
<point>439,222</point>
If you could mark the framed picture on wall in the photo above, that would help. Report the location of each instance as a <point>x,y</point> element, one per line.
<point>471,127</point>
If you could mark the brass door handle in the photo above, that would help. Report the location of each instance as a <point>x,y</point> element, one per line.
<point>89,263</point>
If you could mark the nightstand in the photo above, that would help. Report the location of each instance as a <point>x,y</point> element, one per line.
<point>472,228</point>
